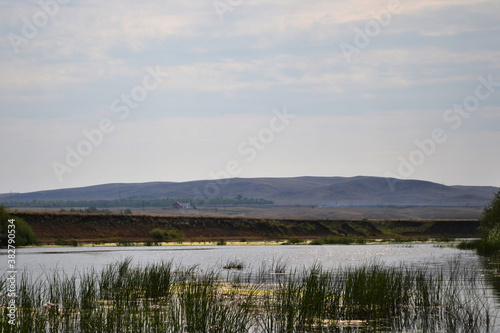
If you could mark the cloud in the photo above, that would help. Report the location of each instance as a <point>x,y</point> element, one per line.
<point>90,40</point>
<point>226,76</point>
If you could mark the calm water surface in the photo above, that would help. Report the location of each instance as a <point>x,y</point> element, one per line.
<point>71,259</point>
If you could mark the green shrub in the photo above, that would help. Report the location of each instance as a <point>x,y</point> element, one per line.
<point>483,247</point>
<point>157,234</point>
<point>24,235</point>
<point>489,244</point>
<point>161,235</point>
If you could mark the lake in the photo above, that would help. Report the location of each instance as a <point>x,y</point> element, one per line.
<point>439,288</point>
<point>70,259</point>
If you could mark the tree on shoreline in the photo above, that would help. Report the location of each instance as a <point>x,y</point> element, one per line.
<point>490,219</point>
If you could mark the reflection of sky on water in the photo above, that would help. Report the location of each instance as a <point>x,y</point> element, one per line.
<point>69,259</point>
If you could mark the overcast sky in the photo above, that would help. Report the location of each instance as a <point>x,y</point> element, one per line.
<point>96,92</point>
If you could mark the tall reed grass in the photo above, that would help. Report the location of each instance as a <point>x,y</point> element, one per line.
<point>162,298</point>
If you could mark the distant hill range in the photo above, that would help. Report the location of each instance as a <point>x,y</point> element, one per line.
<point>318,191</point>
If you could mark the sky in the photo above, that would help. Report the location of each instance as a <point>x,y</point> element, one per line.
<point>95,92</point>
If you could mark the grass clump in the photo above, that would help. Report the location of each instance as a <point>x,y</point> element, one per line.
<point>234,264</point>
<point>338,241</point>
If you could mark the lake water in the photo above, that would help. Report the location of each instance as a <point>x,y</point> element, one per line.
<point>71,259</point>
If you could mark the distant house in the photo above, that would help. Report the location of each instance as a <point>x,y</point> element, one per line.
<point>181,205</point>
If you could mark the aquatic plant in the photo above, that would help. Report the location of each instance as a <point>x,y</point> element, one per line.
<point>159,297</point>
<point>234,264</point>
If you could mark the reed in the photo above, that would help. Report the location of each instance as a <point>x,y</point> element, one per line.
<point>162,298</point>
<point>234,264</point>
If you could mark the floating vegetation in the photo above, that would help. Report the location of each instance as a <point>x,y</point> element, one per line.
<point>162,298</point>
<point>234,264</point>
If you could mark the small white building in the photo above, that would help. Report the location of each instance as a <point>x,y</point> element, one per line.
<point>181,205</point>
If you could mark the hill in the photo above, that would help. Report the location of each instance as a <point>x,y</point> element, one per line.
<point>318,191</point>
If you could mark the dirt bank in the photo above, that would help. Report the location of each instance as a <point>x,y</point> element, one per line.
<point>112,227</point>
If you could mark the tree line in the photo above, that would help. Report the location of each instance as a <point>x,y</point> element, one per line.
<point>137,202</point>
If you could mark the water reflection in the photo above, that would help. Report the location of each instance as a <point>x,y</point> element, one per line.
<point>491,272</point>
<point>37,260</point>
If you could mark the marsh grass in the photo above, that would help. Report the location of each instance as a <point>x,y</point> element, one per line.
<point>234,264</point>
<point>338,241</point>
<point>162,298</point>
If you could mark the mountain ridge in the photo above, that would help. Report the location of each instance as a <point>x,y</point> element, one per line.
<point>306,190</point>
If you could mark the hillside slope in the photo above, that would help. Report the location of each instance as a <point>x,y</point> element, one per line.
<point>322,191</point>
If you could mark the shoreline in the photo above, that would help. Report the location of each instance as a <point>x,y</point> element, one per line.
<point>447,242</point>
<point>96,229</point>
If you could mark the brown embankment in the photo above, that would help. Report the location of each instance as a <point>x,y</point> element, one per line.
<point>112,227</point>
